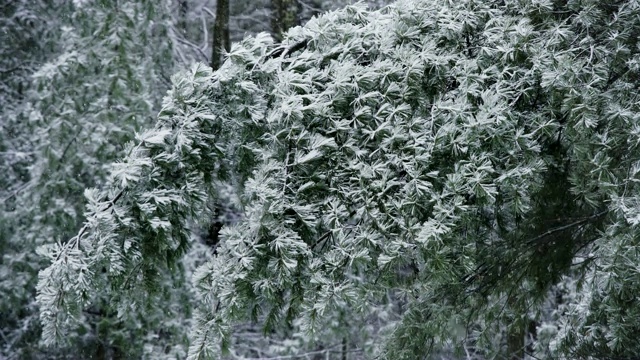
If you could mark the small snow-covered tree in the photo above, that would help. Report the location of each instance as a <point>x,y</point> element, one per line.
<point>458,160</point>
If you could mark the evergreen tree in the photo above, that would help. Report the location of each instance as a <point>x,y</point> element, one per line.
<point>29,32</point>
<point>82,106</point>
<point>459,161</point>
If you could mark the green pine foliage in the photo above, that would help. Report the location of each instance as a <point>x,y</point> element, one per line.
<point>98,87</point>
<point>29,33</point>
<point>436,171</point>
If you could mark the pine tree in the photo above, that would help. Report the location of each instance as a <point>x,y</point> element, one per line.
<point>30,30</point>
<point>82,106</point>
<point>462,161</point>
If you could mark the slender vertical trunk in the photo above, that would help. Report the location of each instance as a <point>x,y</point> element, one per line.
<point>532,335</point>
<point>284,15</point>
<point>213,232</point>
<point>515,333</point>
<point>101,352</point>
<point>344,348</point>
<point>183,8</point>
<point>221,40</point>
<point>515,343</point>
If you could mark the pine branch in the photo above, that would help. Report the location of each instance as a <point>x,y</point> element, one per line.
<point>75,241</point>
<point>18,191</point>
<point>10,70</point>
<point>565,227</point>
<point>283,51</point>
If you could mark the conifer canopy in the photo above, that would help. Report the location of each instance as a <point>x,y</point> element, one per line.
<point>460,159</point>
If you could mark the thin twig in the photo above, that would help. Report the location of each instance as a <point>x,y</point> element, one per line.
<point>206,33</point>
<point>565,227</point>
<point>190,44</point>
<point>10,70</point>
<point>18,190</point>
<point>317,352</point>
<point>208,11</point>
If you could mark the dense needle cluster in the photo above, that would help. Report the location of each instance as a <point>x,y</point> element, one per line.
<point>462,161</point>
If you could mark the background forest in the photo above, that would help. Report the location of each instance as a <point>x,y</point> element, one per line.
<point>273,179</point>
<point>78,79</point>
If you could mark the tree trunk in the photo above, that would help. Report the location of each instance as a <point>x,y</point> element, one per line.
<point>213,232</point>
<point>515,342</point>
<point>344,348</point>
<point>183,9</point>
<point>221,40</point>
<point>284,15</point>
<point>515,333</point>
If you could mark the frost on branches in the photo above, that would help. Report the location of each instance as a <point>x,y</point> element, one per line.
<point>464,161</point>
<point>91,86</point>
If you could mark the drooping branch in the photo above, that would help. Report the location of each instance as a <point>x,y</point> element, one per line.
<point>283,51</point>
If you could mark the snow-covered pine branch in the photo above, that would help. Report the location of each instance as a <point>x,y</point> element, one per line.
<point>410,152</point>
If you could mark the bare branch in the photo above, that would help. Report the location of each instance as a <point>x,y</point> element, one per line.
<point>192,45</point>
<point>205,33</point>
<point>10,70</point>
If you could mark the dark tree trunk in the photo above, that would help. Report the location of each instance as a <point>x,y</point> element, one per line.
<point>344,348</point>
<point>221,40</point>
<point>284,15</point>
<point>183,9</point>
<point>515,333</point>
<point>532,335</point>
<point>213,232</point>
<point>515,343</point>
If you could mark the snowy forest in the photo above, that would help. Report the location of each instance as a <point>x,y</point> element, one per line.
<point>320,179</point>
